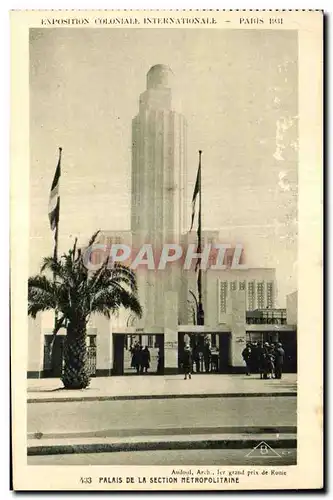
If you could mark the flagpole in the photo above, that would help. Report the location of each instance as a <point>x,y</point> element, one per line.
<point>55,256</point>
<point>200,315</point>
<point>56,235</point>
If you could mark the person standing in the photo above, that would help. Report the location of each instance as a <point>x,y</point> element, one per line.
<point>265,361</point>
<point>132,351</point>
<point>187,362</point>
<point>271,351</point>
<point>207,356</point>
<point>196,358</point>
<point>160,361</point>
<point>136,358</point>
<point>255,357</point>
<point>246,354</point>
<point>140,359</point>
<point>215,360</point>
<point>145,362</point>
<point>279,360</point>
<point>268,361</point>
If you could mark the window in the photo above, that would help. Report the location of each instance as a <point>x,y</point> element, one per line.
<point>233,285</point>
<point>242,285</point>
<point>251,295</point>
<point>151,342</point>
<point>92,340</point>
<point>260,295</point>
<point>113,240</point>
<point>270,295</point>
<point>223,296</point>
<point>47,352</point>
<point>132,340</point>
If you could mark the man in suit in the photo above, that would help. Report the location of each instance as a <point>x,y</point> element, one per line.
<point>196,358</point>
<point>187,362</point>
<point>279,360</point>
<point>246,354</point>
<point>207,356</point>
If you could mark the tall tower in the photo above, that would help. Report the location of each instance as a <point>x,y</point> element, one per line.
<point>158,188</point>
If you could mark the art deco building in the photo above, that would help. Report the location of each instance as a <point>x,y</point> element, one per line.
<point>168,296</point>
<point>158,188</point>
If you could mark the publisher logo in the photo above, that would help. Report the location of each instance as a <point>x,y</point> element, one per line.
<point>263,450</point>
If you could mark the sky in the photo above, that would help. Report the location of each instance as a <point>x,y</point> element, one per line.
<point>238,92</point>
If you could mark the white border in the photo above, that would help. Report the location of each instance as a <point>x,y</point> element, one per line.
<point>5,117</point>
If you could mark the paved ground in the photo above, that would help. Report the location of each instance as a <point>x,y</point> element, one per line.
<point>143,386</point>
<point>162,413</point>
<point>137,415</point>
<point>208,422</point>
<point>169,457</point>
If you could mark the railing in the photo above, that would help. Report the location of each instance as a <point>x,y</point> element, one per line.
<point>91,360</point>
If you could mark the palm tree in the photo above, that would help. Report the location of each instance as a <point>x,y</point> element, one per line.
<point>74,293</point>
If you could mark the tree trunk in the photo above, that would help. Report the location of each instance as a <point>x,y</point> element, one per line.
<point>75,374</point>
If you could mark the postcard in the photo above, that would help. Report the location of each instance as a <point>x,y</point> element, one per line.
<point>166,250</point>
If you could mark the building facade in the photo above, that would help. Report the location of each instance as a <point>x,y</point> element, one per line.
<point>168,296</point>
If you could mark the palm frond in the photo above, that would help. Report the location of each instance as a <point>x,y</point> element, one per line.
<point>121,274</point>
<point>43,295</point>
<point>93,238</point>
<point>40,283</point>
<point>131,302</point>
<point>34,308</point>
<point>51,264</point>
<point>74,249</point>
<point>114,297</point>
<point>76,292</point>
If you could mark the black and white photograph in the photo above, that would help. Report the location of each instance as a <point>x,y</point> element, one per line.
<point>163,267</point>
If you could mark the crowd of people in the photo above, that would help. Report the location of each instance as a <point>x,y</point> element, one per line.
<point>200,359</point>
<point>140,358</point>
<point>265,359</point>
<point>205,359</point>
<point>260,358</point>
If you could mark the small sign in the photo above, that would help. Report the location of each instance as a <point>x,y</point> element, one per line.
<point>171,345</point>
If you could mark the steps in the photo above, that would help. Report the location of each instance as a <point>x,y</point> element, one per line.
<point>161,439</point>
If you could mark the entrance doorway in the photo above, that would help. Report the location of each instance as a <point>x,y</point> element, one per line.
<point>138,354</point>
<point>289,344</point>
<point>288,341</point>
<point>210,351</point>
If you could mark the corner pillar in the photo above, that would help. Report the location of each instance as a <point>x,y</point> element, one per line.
<point>35,348</point>
<point>171,332</point>
<point>104,347</point>
<point>237,317</point>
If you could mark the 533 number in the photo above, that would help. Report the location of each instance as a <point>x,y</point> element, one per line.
<point>85,480</point>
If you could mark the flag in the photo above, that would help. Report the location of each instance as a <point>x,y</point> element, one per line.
<point>195,194</point>
<point>199,244</point>
<point>198,262</point>
<point>197,191</point>
<point>54,201</point>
